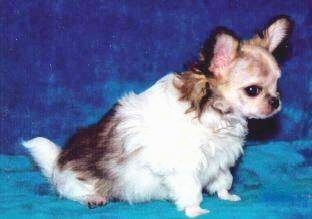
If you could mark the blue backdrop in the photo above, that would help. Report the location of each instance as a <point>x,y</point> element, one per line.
<point>63,64</point>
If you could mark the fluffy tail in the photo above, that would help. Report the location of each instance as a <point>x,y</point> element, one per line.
<point>44,152</point>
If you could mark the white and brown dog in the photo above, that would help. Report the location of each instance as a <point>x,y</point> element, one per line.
<point>178,137</point>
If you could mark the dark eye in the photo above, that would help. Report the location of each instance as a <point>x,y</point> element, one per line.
<point>253,90</point>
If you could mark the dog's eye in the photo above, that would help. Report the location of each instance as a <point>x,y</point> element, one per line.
<point>253,90</point>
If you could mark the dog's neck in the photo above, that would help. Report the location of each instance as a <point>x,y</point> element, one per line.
<point>221,120</point>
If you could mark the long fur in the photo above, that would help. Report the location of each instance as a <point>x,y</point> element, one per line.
<point>150,148</point>
<point>45,153</point>
<point>178,137</point>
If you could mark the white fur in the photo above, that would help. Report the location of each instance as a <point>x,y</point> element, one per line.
<point>67,185</point>
<point>44,153</point>
<point>179,154</point>
<point>277,32</point>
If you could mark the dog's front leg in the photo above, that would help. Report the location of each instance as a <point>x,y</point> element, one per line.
<point>221,185</point>
<point>186,192</point>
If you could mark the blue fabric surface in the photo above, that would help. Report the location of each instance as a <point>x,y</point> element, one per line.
<point>63,64</point>
<point>273,180</point>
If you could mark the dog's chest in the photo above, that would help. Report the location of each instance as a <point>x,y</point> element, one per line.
<point>221,146</point>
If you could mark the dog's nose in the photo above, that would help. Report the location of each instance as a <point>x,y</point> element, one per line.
<point>274,102</point>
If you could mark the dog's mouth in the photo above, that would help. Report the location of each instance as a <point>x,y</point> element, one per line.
<point>267,113</point>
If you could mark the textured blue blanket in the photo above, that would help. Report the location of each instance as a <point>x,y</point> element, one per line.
<point>273,180</point>
<point>63,64</point>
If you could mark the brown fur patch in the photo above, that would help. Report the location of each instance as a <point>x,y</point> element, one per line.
<point>194,88</point>
<point>93,151</point>
<point>198,85</point>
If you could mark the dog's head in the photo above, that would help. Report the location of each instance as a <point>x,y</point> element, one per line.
<point>243,74</point>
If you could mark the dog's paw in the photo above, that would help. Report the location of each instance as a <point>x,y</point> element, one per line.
<point>225,195</point>
<point>233,198</point>
<point>195,211</point>
<point>94,201</point>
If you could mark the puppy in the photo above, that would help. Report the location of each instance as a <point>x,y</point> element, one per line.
<point>180,136</point>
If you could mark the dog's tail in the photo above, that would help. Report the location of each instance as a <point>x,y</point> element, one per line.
<point>44,152</point>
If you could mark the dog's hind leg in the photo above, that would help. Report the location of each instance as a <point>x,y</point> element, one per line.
<point>70,186</point>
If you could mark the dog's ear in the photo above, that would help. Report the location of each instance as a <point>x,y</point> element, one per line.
<point>273,35</point>
<point>224,52</point>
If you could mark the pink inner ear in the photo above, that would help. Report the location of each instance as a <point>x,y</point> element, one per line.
<point>224,52</point>
<point>220,59</point>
